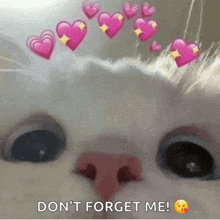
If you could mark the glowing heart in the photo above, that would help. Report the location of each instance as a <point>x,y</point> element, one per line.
<point>183,53</point>
<point>145,30</point>
<point>43,45</point>
<point>130,10</point>
<point>147,11</point>
<point>155,46</point>
<point>90,9</point>
<point>71,35</point>
<point>111,24</point>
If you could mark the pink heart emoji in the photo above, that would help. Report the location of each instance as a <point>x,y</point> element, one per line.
<point>43,45</point>
<point>75,32</point>
<point>112,23</point>
<point>145,30</point>
<point>155,46</point>
<point>130,10</point>
<point>90,9</point>
<point>45,34</point>
<point>187,53</point>
<point>147,11</point>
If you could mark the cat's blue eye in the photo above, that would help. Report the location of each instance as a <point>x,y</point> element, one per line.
<point>37,146</point>
<point>38,139</point>
<point>187,157</point>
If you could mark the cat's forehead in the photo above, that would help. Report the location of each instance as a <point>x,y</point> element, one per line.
<point>75,88</point>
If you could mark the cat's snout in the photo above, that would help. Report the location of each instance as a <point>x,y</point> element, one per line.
<point>108,171</point>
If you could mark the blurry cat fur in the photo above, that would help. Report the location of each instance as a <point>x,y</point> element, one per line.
<point>89,100</point>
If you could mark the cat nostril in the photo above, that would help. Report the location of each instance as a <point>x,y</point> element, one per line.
<point>89,172</point>
<point>108,171</point>
<point>125,175</point>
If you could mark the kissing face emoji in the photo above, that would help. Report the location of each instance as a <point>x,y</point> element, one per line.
<point>181,206</point>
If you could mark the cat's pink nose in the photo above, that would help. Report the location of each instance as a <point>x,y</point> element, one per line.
<point>108,171</point>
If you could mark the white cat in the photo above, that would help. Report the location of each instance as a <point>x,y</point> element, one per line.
<point>82,129</point>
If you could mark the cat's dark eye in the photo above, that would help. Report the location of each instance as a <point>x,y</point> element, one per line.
<point>38,138</point>
<point>187,159</point>
<point>37,146</point>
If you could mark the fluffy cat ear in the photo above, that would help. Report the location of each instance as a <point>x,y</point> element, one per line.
<point>12,56</point>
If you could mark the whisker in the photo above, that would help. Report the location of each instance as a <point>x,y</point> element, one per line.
<point>189,15</point>
<point>12,61</point>
<point>11,70</point>
<point>137,44</point>
<point>200,22</point>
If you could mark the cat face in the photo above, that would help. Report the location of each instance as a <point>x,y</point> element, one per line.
<point>83,129</point>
